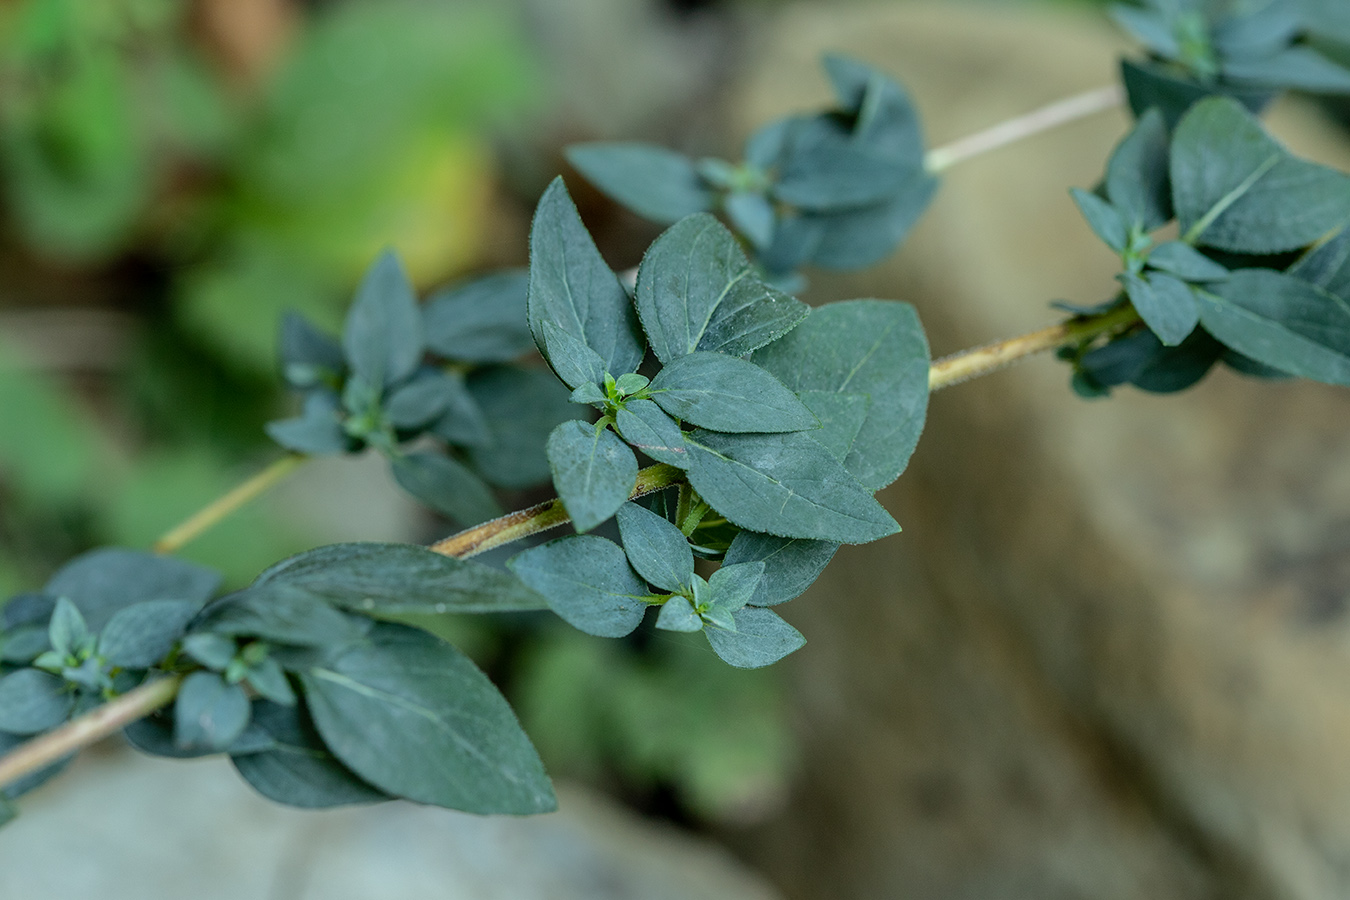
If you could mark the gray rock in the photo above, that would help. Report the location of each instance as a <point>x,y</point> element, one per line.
<point>120,826</point>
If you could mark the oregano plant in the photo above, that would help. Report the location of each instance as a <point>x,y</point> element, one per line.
<point>734,436</point>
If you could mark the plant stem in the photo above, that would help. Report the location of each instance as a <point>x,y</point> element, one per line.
<point>103,721</point>
<point>205,518</point>
<point>1058,113</point>
<point>93,726</point>
<point>979,361</point>
<point>541,517</point>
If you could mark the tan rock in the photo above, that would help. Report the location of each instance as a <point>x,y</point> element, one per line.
<point>1108,657</point>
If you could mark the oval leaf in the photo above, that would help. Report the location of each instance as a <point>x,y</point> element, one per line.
<point>723,393</point>
<point>761,638</point>
<point>656,548</point>
<point>593,470</point>
<point>587,581</point>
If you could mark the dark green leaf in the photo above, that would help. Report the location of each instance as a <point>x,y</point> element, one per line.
<point>841,417</point>
<point>463,423</point>
<point>761,638</point>
<point>1105,220</point>
<point>298,770</point>
<point>1293,68</point>
<point>656,183</point>
<point>790,564</point>
<point>412,715</point>
<point>697,291</point>
<point>857,238</point>
<point>593,471</point>
<point>872,347</point>
<point>574,362</point>
<point>318,430</point>
<point>1166,305</point>
<point>1186,263</point>
<point>587,581</point>
<point>1250,31</point>
<point>765,146</point>
<point>589,394</point>
<point>447,486</point>
<point>401,578</point>
<point>27,609</point>
<point>482,321</point>
<point>1281,322</point>
<point>209,714</point>
<point>142,635</point>
<point>103,581</point>
<point>656,548</point>
<point>68,633</point>
<point>573,288</point>
<point>214,651</point>
<point>268,679</point>
<point>885,118</point>
<point>785,484</point>
<point>677,614</point>
<point>1236,189</point>
<point>155,735</point>
<point>284,613</point>
<point>1170,369</point>
<point>521,407</point>
<point>644,426</point>
<point>825,168</point>
<point>1328,265</point>
<point>308,356</point>
<point>383,334</point>
<point>8,811</point>
<point>724,393</point>
<point>752,215</point>
<point>420,400</point>
<point>733,585</point>
<point>33,701</point>
<point>1148,27</point>
<point>23,644</point>
<point>1150,85</point>
<point>1137,179</point>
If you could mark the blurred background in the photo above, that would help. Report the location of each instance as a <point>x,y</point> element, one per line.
<point>1107,659</point>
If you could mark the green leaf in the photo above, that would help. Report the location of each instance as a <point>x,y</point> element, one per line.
<point>858,238</point>
<point>268,680</point>
<point>631,383</point>
<point>33,701</point>
<point>67,632</point>
<point>826,168</point>
<point>420,400</point>
<point>1186,263</point>
<point>1148,27</point>
<point>308,356</point>
<point>8,811</point>
<point>677,614</point>
<point>23,644</point>
<point>885,117</point>
<point>656,548</point>
<point>1281,322</point>
<point>1327,265</point>
<point>593,471</point>
<point>1150,85</point>
<point>103,581</point>
<point>463,423</point>
<point>644,426</point>
<point>401,578</point>
<point>481,321</point>
<point>1106,222</point>
<point>761,638</point>
<point>1236,189</point>
<point>784,484</point>
<point>142,635</point>
<point>1137,177</point>
<point>521,406</point>
<point>733,585</point>
<point>209,714</point>
<point>317,430</point>
<point>1166,305</point>
<point>723,393</point>
<point>284,613</point>
<point>697,291</point>
<point>752,215</point>
<point>791,565</point>
<point>841,418</point>
<point>590,394</point>
<point>1297,68</point>
<point>574,362</point>
<point>656,183</point>
<point>447,486</point>
<point>410,714</point>
<point>383,334</point>
<point>587,581</point>
<point>872,347</point>
<point>298,770</point>
<point>572,287</point>
<point>214,651</point>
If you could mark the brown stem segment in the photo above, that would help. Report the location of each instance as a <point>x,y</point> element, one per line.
<point>203,519</point>
<point>93,726</point>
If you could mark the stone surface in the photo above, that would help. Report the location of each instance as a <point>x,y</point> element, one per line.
<point>1109,656</point>
<point>121,826</point>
